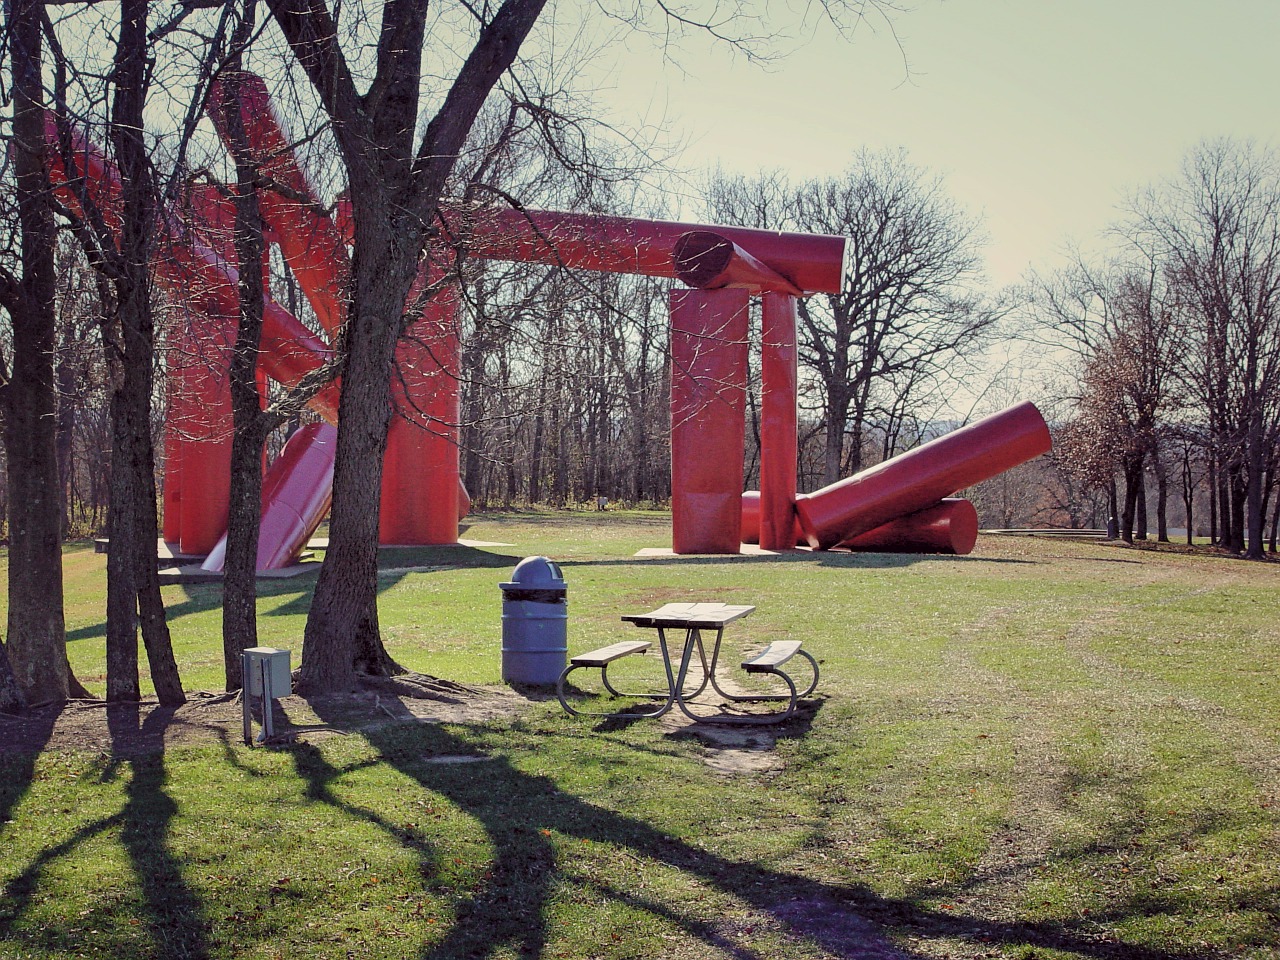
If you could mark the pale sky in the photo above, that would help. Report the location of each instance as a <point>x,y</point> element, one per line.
<point>1041,114</point>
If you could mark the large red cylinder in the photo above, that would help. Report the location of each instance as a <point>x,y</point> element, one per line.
<point>950,526</point>
<point>778,444</point>
<point>814,263</point>
<point>708,406</point>
<point>420,475</point>
<point>923,476</point>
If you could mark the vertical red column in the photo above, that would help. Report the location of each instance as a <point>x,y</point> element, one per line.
<point>205,426</point>
<point>420,471</point>
<point>708,406</point>
<point>778,445</point>
<point>173,441</point>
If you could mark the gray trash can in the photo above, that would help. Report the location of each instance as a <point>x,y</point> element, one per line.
<point>535,618</point>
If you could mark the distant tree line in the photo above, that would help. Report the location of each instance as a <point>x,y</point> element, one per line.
<point>1175,341</point>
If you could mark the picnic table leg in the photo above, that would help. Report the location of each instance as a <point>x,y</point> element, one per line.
<point>671,684</point>
<point>694,639</point>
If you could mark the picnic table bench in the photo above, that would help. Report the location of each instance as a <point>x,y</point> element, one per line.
<point>693,618</point>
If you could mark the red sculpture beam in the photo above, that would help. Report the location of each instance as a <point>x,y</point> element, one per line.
<point>811,263</point>
<point>710,261</point>
<point>311,244</point>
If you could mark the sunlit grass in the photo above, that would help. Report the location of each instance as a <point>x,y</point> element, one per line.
<point>1046,749</point>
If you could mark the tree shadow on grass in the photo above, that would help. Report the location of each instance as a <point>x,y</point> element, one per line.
<point>173,912</point>
<point>520,813</point>
<point>30,732</point>
<point>17,772</point>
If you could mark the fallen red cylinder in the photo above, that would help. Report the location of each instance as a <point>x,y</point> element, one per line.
<point>751,522</point>
<point>947,527</point>
<point>923,476</point>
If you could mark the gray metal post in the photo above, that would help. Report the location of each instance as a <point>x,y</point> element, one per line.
<point>268,695</point>
<point>246,711</point>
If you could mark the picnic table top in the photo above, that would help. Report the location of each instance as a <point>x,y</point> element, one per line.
<point>690,615</point>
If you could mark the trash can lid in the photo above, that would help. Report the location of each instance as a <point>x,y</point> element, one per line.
<point>535,573</point>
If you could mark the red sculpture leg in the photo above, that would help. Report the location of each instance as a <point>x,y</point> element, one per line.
<point>778,450</point>
<point>708,405</point>
<point>420,501</point>
<point>923,476</point>
<point>204,423</point>
<point>173,444</point>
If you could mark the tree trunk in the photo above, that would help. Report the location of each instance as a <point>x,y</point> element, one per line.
<point>1113,510</point>
<point>1188,493</point>
<point>1162,499</point>
<point>1132,488</point>
<point>1238,495</point>
<point>1275,524</point>
<point>122,532</point>
<point>539,434</point>
<point>249,425</point>
<point>833,440</point>
<point>1256,518</point>
<point>133,455</point>
<point>69,399</point>
<point>1226,514</point>
<point>1140,508</point>
<point>1213,500</point>
<point>36,632</point>
<point>395,190</point>
<point>343,612</point>
<point>11,697</point>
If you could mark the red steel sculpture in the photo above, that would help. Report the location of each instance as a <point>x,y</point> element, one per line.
<point>899,505</point>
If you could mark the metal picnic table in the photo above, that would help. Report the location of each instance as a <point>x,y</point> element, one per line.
<point>693,618</point>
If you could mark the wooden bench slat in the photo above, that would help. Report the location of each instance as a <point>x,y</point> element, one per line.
<point>605,655</point>
<point>774,655</point>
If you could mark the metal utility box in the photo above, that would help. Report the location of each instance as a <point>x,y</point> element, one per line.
<point>278,671</point>
<point>535,617</point>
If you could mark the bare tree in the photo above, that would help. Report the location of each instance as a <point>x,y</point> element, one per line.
<point>396,179</point>
<point>120,243</point>
<point>910,311</point>
<point>1217,229</point>
<point>35,668</point>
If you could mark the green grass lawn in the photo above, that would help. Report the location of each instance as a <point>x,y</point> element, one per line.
<point>1045,749</point>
